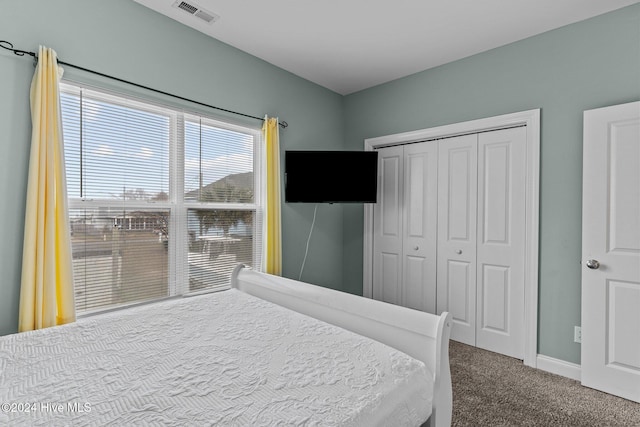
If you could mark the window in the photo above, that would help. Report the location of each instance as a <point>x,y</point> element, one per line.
<point>161,202</point>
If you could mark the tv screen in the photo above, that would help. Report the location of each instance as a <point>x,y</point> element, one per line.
<point>331,176</point>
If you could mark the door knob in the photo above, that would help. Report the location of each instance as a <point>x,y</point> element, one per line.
<point>416,247</point>
<point>593,264</point>
<point>458,251</point>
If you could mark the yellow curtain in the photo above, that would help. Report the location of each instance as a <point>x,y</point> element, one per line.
<point>273,252</point>
<point>46,293</point>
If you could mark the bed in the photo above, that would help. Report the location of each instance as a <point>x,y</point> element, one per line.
<point>270,351</point>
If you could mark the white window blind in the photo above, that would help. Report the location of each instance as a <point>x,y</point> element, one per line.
<point>161,202</point>
<point>220,183</point>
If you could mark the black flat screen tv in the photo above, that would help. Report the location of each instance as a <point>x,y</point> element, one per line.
<point>331,176</point>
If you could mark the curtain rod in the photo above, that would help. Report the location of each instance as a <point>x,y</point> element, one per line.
<point>9,46</point>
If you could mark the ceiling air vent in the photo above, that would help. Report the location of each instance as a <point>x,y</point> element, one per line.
<point>197,11</point>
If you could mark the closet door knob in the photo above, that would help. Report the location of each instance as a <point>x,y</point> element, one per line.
<point>416,247</point>
<point>458,251</point>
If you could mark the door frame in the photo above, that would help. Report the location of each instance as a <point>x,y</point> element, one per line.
<point>530,119</point>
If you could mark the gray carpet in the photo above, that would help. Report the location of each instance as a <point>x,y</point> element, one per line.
<point>490,389</point>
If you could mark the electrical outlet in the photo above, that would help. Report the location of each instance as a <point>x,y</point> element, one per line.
<point>577,334</point>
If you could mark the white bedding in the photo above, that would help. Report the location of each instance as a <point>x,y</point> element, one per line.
<point>225,358</point>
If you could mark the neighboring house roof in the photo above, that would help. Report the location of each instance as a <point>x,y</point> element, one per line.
<point>240,181</point>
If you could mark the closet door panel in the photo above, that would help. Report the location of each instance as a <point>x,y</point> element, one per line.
<point>456,249</point>
<point>494,306</point>
<point>420,226</point>
<point>389,285</point>
<point>387,227</point>
<point>461,303</point>
<point>414,293</point>
<point>501,235</point>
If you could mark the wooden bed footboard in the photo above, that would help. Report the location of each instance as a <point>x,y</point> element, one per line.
<point>421,335</point>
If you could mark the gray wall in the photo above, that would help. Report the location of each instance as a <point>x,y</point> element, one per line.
<point>590,64</point>
<point>124,39</point>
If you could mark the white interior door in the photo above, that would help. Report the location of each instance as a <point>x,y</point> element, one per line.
<point>420,226</point>
<point>456,259</point>
<point>387,227</point>
<point>500,241</point>
<point>611,250</point>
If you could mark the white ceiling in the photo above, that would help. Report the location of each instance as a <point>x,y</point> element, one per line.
<point>350,45</point>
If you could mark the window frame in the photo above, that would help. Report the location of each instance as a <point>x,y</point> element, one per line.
<point>178,275</point>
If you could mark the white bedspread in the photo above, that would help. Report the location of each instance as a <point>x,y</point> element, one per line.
<point>219,359</point>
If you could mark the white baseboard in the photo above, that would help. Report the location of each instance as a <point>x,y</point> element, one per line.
<point>559,367</point>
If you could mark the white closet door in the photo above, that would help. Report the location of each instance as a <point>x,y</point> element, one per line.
<point>500,245</point>
<point>387,227</point>
<point>420,226</point>
<point>457,202</point>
